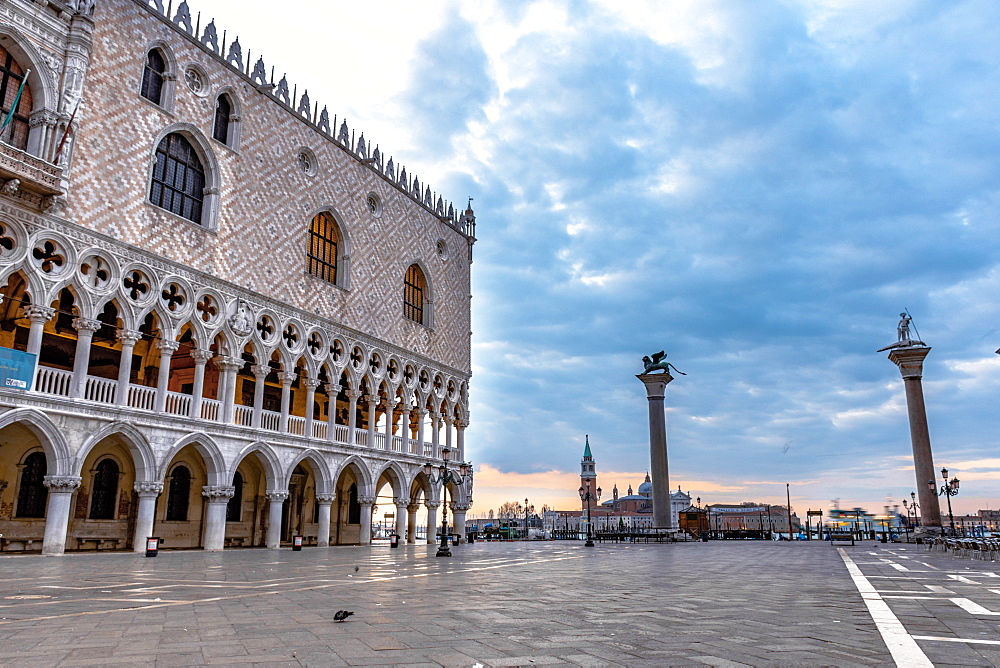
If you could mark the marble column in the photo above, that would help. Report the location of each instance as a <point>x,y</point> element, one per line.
<point>404,428</point>
<point>401,506</point>
<point>260,372</point>
<point>910,361</point>
<point>85,328</point>
<point>286,379</point>
<point>323,531</point>
<point>331,419</point>
<point>275,497</point>
<point>167,350</point>
<point>435,434</point>
<point>200,358</point>
<point>352,416</point>
<point>421,416</point>
<point>146,513</point>
<point>228,368</point>
<point>366,503</point>
<point>458,511</point>
<point>217,499</point>
<point>61,489</point>
<point>432,523</point>
<point>310,384</point>
<point>390,415</point>
<point>38,316</point>
<point>460,440</point>
<point>128,339</point>
<point>411,522</point>
<point>372,403</point>
<point>656,384</point>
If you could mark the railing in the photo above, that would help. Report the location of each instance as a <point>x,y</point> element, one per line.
<point>34,173</point>
<point>103,390</point>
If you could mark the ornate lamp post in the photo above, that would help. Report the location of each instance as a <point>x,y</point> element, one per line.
<point>916,509</point>
<point>948,489</point>
<point>908,509</point>
<point>527,511</point>
<point>588,496</point>
<point>444,476</point>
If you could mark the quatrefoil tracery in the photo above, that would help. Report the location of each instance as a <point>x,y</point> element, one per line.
<point>173,297</point>
<point>96,272</point>
<point>7,243</point>
<point>48,257</point>
<point>135,285</point>
<point>207,308</point>
<point>314,343</point>
<point>265,328</point>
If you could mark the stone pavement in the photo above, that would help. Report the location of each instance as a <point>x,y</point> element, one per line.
<point>502,604</point>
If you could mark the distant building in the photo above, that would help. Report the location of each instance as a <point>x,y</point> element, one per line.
<point>751,517</point>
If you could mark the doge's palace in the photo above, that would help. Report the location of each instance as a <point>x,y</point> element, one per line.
<point>226,318</point>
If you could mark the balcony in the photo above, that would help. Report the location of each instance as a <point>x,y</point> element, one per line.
<point>57,382</point>
<point>35,174</point>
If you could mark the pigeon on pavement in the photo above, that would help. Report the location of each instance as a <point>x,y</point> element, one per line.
<point>341,615</point>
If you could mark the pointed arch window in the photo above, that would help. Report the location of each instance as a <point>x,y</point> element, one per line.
<point>178,183</point>
<point>323,241</point>
<point>11,77</point>
<point>32,493</point>
<point>179,494</point>
<point>234,509</point>
<point>222,126</point>
<point>414,287</point>
<point>152,77</point>
<point>105,491</point>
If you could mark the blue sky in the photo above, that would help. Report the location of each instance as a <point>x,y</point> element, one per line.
<point>758,188</point>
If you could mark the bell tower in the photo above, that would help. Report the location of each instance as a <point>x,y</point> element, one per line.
<point>588,476</point>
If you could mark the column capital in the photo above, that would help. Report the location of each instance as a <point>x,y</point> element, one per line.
<point>405,408</point>
<point>218,492</point>
<point>128,337</point>
<point>276,495</point>
<point>148,488</point>
<point>86,325</point>
<point>459,507</point>
<point>366,500</point>
<point>354,394</point>
<point>656,384</point>
<point>413,508</point>
<point>201,356</point>
<point>404,501</point>
<point>167,346</point>
<point>333,390</point>
<point>310,383</point>
<point>38,313</point>
<point>326,499</point>
<point>371,398</point>
<point>421,411</point>
<point>226,364</point>
<point>432,505</point>
<point>286,378</point>
<point>910,360</point>
<point>260,371</point>
<point>62,483</point>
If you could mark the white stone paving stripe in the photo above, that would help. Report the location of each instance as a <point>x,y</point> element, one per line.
<point>904,649</point>
<point>973,608</point>
<point>966,640</point>
<point>938,589</point>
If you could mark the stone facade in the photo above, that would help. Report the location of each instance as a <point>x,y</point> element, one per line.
<point>206,362</point>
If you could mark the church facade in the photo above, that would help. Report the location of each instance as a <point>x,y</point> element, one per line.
<point>226,320</point>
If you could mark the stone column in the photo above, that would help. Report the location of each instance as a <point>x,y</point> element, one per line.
<point>146,513</point>
<point>38,315</point>
<point>401,507</point>
<point>655,387</point>
<point>286,379</point>
<point>352,416</point>
<point>167,350</point>
<point>85,328</point>
<point>390,410</point>
<point>411,522</point>
<point>128,338</point>
<point>372,403</point>
<point>61,489</point>
<point>276,497</point>
<point>366,503</point>
<point>460,440</point>
<point>331,419</point>
<point>446,421</point>
<point>432,523</point>
<point>323,533</point>
<point>200,357</point>
<point>404,428</point>
<point>310,384</point>
<point>217,497</point>
<point>260,372</point>
<point>459,510</point>
<point>421,416</point>
<point>228,367</point>
<point>435,434</point>
<point>910,361</point>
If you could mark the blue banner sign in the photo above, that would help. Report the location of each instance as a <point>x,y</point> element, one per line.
<point>17,369</point>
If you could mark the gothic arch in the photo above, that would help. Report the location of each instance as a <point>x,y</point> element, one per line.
<point>215,463</point>
<point>55,446</point>
<point>324,481</point>
<point>143,458</point>
<point>362,473</point>
<point>343,244</point>
<point>44,89</point>
<point>210,164</point>
<point>428,292</point>
<point>397,478</point>
<point>268,460</point>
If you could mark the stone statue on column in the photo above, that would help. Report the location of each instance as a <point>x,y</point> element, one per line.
<point>656,384</point>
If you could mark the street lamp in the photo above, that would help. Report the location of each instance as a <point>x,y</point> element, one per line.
<point>916,509</point>
<point>445,476</point>
<point>907,508</point>
<point>527,511</point>
<point>588,496</point>
<point>948,489</point>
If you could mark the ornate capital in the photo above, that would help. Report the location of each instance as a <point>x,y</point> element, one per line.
<point>218,492</point>
<point>333,390</point>
<point>128,337</point>
<point>366,500</point>
<point>909,360</point>
<point>325,499</point>
<point>310,383</point>
<point>413,508</point>
<point>286,378</point>
<point>228,364</point>
<point>432,505</point>
<point>201,356</point>
<point>38,313</point>
<point>167,346</point>
<point>260,370</point>
<point>354,395</point>
<point>276,495</point>
<point>62,483</point>
<point>459,507</point>
<point>371,399</point>
<point>86,325</point>
<point>404,501</point>
<point>148,488</point>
